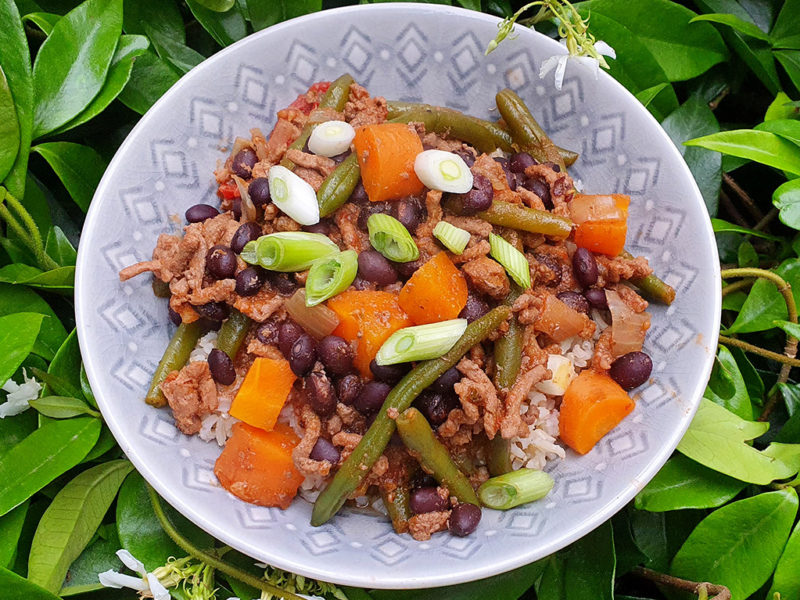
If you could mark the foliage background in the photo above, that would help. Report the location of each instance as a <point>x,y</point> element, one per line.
<point>724,507</point>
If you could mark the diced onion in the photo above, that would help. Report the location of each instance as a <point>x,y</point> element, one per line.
<point>453,238</point>
<point>628,328</point>
<point>331,138</point>
<point>445,171</point>
<point>558,320</point>
<point>389,237</point>
<point>512,260</point>
<point>330,276</point>
<point>421,342</point>
<point>293,195</point>
<point>318,321</point>
<point>562,374</point>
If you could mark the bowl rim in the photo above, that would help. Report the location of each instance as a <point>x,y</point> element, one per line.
<point>470,572</point>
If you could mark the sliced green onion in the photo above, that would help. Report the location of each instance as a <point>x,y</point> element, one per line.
<point>515,488</point>
<point>454,238</point>
<point>389,237</point>
<point>421,342</point>
<point>330,276</point>
<point>512,260</point>
<point>331,138</point>
<point>288,251</point>
<point>293,195</point>
<point>445,171</point>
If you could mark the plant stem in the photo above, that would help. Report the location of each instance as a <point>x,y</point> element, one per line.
<point>768,218</point>
<point>702,589</point>
<point>744,197</point>
<point>30,234</point>
<point>210,558</point>
<point>735,287</point>
<point>719,98</point>
<point>785,360</point>
<point>734,213</point>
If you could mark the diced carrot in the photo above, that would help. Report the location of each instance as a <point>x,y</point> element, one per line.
<point>601,222</point>
<point>368,318</point>
<point>437,291</point>
<point>386,154</point>
<point>263,393</point>
<point>257,465</point>
<point>592,406</point>
<point>558,320</point>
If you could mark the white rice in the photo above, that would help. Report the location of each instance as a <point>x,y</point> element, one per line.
<point>539,445</point>
<point>204,347</point>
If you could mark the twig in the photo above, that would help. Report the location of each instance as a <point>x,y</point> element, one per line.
<point>719,98</point>
<point>785,360</point>
<point>768,218</point>
<point>744,197</point>
<point>701,589</point>
<point>736,216</point>
<point>735,287</point>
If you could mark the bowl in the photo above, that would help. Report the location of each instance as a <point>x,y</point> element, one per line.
<point>408,52</point>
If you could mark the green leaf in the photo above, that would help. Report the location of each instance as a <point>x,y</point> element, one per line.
<point>226,28</point>
<point>104,443</point>
<point>739,545</point>
<point>691,119</point>
<point>761,146</point>
<point>726,386</point>
<point>43,20</point>
<point>737,23</point>
<point>9,128</point>
<point>582,571</point>
<point>72,63</point>
<point>61,279</point>
<point>181,56</point>
<point>264,13</point>
<point>99,556</point>
<point>786,198</point>
<point>682,48</point>
<point>790,61</point>
<point>786,580</point>
<point>781,108</point>
<point>18,333</point>
<point>15,62</point>
<point>648,95</point>
<point>751,376</point>
<point>86,388</point>
<point>69,523</point>
<point>15,429</point>
<point>150,79</point>
<point>10,531</point>
<point>764,304</point>
<point>722,226</point>
<point>784,33</point>
<point>51,450</point>
<point>59,248</point>
<point>17,588</point>
<point>65,367</point>
<point>164,15</point>
<point>15,299</point>
<point>747,255</point>
<point>716,439</point>
<point>78,167</point>
<point>792,329</point>
<point>217,5</point>
<point>62,407</point>
<point>788,129</point>
<point>682,483</point>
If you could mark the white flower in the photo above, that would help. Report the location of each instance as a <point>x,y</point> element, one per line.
<point>147,584</point>
<point>19,395</point>
<point>559,62</point>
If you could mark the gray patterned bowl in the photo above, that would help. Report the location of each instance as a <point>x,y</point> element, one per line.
<point>410,52</point>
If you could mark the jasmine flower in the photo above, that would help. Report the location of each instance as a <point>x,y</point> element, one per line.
<point>19,395</point>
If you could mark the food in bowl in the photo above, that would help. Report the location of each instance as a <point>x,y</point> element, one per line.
<point>401,306</point>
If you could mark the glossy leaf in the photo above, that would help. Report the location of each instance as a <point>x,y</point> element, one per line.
<point>17,588</point>
<point>722,226</point>
<point>217,5</point>
<point>786,198</point>
<point>792,329</point>
<point>86,389</point>
<point>9,128</point>
<point>765,304</point>
<point>150,79</point>
<point>10,531</point>
<point>16,299</point>
<point>788,129</point>
<point>790,61</point>
<point>13,431</point>
<point>179,55</point>
<point>69,523</point>
<point>786,580</point>
<point>59,248</point>
<point>682,483</point>
<point>164,16</point>
<point>43,20</point>
<point>264,13</point>
<point>761,146</point>
<point>104,443</point>
<point>62,407</point>
<point>45,454</point>
<point>65,367</point>
<point>751,376</point>
<point>78,167</point>
<point>785,33</point>
<point>735,22</point>
<point>61,279</point>
<point>226,28</point>
<point>72,63</point>
<point>739,545</point>
<point>18,333</point>
<point>781,108</point>
<point>646,96</point>
<point>726,386</point>
<point>99,556</point>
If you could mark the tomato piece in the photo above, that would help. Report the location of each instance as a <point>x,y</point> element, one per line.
<point>229,190</point>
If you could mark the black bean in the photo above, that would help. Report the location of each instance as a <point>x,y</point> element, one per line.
<point>323,227</point>
<point>631,370</point>
<point>247,232</point>
<point>243,163</point>
<point>288,335</point>
<point>336,354</point>
<point>435,406</point>
<point>407,269</point>
<point>359,195</point>
<point>236,208</point>
<point>221,367</point>
<point>553,166</point>
<point>596,297</point>
<point>200,212</point>
<point>259,191</point>
<point>520,161</point>
<point>319,392</point>
<point>249,281</point>
<point>340,157</point>
<point>361,284</point>
<point>303,355</point>
<point>281,283</point>
<point>584,266</point>
<point>512,181</point>
<point>541,189</point>
<point>174,317</point>
<point>427,499</point>
<point>474,309</point>
<point>371,398</point>
<point>421,479</point>
<point>221,262</point>
<point>464,519</point>
<point>553,266</point>
<point>372,208</point>
<point>324,450</point>
<point>409,212</point>
<point>267,333</point>
<point>374,267</point>
<point>389,373</point>
<point>348,388</point>
<point>466,155</point>
<point>213,311</point>
<point>444,384</point>
<point>575,301</point>
<point>478,198</point>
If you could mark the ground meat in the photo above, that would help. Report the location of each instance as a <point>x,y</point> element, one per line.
<point>346,219</point>
<point>603,357</point>
<point>333,424</point>
<point>261,306</point>
<point>300,455</point>
<point>527,307</point>
<point>530,199</point>
<point>363,109</point>
<point>487,277</point>
<point>633,300</point>
<point>433,204</point>
<point>311,167</point>
<point>473,225</point>
<point>259,348</point>
<point>310,176</point>
<point>222,290</point>
<point>191,394</point>
<point>561,186</point>
<point>287,129</point>
<point>351,418</point>
<point>613,270</point>
<point>284,223</point>
<point>482,248</point>
<point>531,348</point>
<point>488,167</point>
<point>431,140</point>
<point>170,257</point>
<point>479,401</point>
<point>512,424</point>
<point>346,441</point>
<point>424,525</point>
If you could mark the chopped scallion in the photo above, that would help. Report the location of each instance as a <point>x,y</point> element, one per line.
<point>389,237</point>
<point>331,138</point>
<point>288,251</point>
<point>445,171</point>
<point>422,342</point>
<point>515,488</point>
<point>293,195</point>
<point>330,276</point>
<point>453,238</point>
<point>512,260</point>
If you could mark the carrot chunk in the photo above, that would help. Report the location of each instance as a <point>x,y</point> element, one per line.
<point>386,154</point>
<point>367,318</point>
<point>257,465</point>
<point>263,393</point>
<point>601,222</point>
<point>437,291</point>
<point>592,406</point>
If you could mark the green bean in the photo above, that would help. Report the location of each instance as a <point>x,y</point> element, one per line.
<point>175,356</point>
<point>160,288</point>
<point>419,438</point>
<point>357,466</point>
<point>397,505</point>
<point>508,348</point>
<point>338,186</point>
<point>232,333</point>
<point>515,216</point>
<point>526,132</point>
<point>652,287</point>
<point>499,456</point>
<point>335,98</point>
